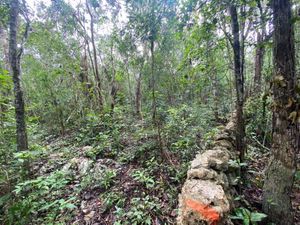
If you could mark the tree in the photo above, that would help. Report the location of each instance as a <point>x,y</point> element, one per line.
<point>83,75</point>
<point>97,75</point>
<point>146,19</point>
<point>281,169</point>
<point>15,54</point>
<point>239,82</point>
<point>261,38</point>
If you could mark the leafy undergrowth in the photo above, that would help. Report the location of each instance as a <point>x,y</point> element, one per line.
<point>249,202</point>
<point>113,171</point>
<point>251,197</point>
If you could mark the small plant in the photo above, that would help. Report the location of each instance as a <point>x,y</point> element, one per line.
<point>139,213</point>
<point>94,152</point>
<point>143,177</point>
<point>113,199</point>
<point>43,194</point>
<point>23,156</point>
<point>247,216</point>
<point>178,175</point>
<point>108,178</point>
<point>209,136</point>
<point>182,143</point>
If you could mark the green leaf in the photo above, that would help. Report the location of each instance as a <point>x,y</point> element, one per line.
<point>4,199</point>
<point>246,221</point>
<point>70,206</point>
<point>257,217</point>
<point>148,221</point>
<point>236,218</point>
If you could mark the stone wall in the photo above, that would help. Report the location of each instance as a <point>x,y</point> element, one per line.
<point>206,197</point>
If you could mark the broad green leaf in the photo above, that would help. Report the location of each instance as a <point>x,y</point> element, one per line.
<point>257,217</point>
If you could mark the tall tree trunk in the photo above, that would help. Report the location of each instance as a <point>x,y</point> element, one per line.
<point>259,54</point>
<point>114,85</point>
<point>239,84</point>
<point>281,169</point>
<point>83,76</point>
<point>131,101</point>
<point>15,55</point>
<point>242,31</point>
<point>138,98</point>
<point>153,82</point>
<point>216,95</point>
<point>260,51</point>
<point>97,75</point>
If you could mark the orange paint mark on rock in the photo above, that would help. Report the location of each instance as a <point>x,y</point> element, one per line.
<point>208,213</point>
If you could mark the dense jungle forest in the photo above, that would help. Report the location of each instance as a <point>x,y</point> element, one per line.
<point>144,112</point>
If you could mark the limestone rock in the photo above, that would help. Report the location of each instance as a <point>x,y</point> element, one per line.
<point>206,195</point>
<point>81,164</point>
<point>230,126</point>
<point>202,202</point>
<point>215,158</point>
<point>202,173</point>
<point>224,143</point>
<point>84,165</point>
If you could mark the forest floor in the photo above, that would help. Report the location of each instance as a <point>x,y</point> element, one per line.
<point>134,186</point>
<point>122,178</point>
<point>117,173</point>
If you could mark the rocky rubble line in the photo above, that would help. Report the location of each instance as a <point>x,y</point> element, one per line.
<point>206,197</point>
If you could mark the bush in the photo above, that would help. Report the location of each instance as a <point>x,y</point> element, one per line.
<point>258,118</point>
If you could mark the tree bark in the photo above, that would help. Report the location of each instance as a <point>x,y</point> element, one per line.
<point>114,84</point>
<point>97,75</point>
<point>129,84</point>
<point>260,51</point>
<point>153,82</point>
<point>242,29</point>
<point>282,166</point>
<point>15,55</point>
<point>239,83</point>
<point>138,98</point>
<point>259,55</point>
<point>216,95</point>
<point>83,75</point>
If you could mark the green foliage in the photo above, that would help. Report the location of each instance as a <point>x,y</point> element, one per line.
<point>48,80</point>
<point>93,152</point>
<point>139,213</point>
<point>5,81</point>
<point>143,177</point>
<point>247,216</point>
<point>108,178</point>
<point>27,155</point>
<point>7,117</point>
<point>113,199</point>
<point>183,127</point>
<point>258,116</point>
<point>7,132</point>
<point>210,135</point>
<point>4,13</point>
<point>43,194</point>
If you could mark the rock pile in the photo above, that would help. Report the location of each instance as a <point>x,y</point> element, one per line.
<point>206,195</point>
